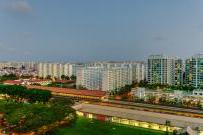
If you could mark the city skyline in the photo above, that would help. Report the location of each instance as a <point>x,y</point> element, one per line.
<point>90,30</point>
<point>87,67</point>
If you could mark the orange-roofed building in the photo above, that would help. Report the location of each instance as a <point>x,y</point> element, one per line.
<point>80,94</point>
<point>13,82</point>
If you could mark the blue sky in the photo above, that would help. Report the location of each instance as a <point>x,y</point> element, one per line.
<point>86,30</point>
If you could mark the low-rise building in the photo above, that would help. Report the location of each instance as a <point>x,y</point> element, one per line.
<point>138,118</point>
<point>198,92</point>
<point>27,82</point>
<point>73,93</point>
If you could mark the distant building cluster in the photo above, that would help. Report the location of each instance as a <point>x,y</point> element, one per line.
<point>104,76</point>
<point>111,75</point>
<point>18,68</point>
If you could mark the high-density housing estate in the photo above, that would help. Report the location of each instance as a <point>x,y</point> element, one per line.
<point>109,76</point>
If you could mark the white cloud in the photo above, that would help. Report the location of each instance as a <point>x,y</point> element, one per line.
<point>19,6</point>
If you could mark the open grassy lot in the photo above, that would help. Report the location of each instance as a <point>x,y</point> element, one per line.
<point>85,126</point>
<point>26,117</point>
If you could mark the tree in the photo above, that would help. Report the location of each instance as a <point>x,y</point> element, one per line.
<point>26,76</point>
<point>8,77</point>
<point>63,77</point>
<point>73,77</point>
<point>48,77</point>
<point>162,100</point>
<point>67,77</point>
<point>199,105</point>
<point>62,101</point>
<point>152,99</point>
<point>143,83</point>
<point>20,94</point>
<point>22,118</point>
<point>82,87</point>
<point>34,95</point>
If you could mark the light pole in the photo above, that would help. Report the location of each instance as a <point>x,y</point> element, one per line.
<point>168,123</point>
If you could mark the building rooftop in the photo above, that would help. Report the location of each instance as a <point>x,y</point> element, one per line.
<point>64,81</point>
<point>18,82</point>
<point>93,93</point>
<point>13,82</point>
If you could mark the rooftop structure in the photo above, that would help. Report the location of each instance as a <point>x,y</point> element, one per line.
<point>143,116</point>
<point>198,92</point>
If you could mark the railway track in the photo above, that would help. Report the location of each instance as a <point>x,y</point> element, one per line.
<point>153,108</point>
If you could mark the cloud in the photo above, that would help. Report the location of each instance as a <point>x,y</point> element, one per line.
<point>19,7</point>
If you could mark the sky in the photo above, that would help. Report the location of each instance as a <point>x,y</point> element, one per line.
<point>90,30</point>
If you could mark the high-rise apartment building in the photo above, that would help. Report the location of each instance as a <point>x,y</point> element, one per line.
<point>138,68</point>
<point>162,70</point>
<point>89,78</point>
<point>178,72</point>
<point>188,72</point>
<point>138,71</point>
<point>116,77</point>
<point>109,76</point>
<point>194,71</point>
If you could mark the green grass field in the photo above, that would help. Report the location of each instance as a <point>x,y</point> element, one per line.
<point>85,126</point>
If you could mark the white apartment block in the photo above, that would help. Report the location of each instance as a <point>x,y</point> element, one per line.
<point>138,72</point>
<point>90,78</point>
<point>105,77</point>
<point>56,70</point>
<point>116,77</point>
<point>138,68</point>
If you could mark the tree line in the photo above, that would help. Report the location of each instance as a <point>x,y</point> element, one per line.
<point>63,77</point>
<point>164,86</point>
<point>21,94</point>
<point>121,90</point>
